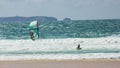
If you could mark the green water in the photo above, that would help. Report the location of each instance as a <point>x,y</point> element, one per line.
<point>62,29</point>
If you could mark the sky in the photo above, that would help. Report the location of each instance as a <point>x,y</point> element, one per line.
<point>74,9</point>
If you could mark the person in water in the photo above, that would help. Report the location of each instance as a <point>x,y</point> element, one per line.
<point>32,35</point>
<point>78,47</point>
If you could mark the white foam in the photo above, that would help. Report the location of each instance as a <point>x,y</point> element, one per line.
<point>54,45</point>
<point>62,56</point>
<point>60,44</point>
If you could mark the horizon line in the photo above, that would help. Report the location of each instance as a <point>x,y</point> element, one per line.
<point>61,19</point>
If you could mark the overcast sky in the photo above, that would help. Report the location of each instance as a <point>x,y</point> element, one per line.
<point>74,9</point>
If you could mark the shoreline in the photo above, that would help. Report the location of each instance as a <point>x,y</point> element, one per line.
<point>98,59</point>
<point>61,64</point>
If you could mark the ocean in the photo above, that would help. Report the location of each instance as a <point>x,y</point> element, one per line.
<point>99,39</point>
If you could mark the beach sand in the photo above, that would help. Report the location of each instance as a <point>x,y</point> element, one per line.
<point>60,64</point>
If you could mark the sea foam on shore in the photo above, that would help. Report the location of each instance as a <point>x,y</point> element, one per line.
<point>60,49</point>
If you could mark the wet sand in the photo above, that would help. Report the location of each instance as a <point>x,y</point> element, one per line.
<point>60,64</point>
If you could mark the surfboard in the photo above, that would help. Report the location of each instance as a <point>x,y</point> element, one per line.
<point>78,48</point>
<point>34,30</point>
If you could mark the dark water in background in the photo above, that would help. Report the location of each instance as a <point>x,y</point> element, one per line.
<point>62,29</point>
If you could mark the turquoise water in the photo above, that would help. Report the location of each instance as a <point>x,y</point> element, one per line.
<point>58,40</point>
<point>62,29</point>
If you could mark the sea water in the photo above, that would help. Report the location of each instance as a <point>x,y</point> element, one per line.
<point>15,43</point>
